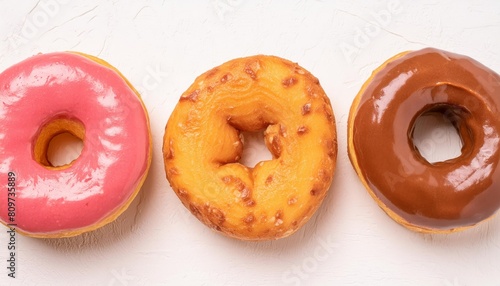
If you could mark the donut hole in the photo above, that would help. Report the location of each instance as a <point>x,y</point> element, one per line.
<point>59,143</point>
<point>63,149</point>
<point>435,134</point>
<point>254,148</point>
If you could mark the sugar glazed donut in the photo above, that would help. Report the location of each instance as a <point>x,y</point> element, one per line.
<point>202,147</point>
<point>429,197</point>
<point>49,94</point>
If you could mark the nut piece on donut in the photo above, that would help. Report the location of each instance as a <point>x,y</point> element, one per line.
<point>68,92</point>
<point>439,197</point>
<point>202,147</point>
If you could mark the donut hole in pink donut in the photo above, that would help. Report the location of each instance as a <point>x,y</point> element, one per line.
<point>63,149</point>
<point>59,143</point>
<point>438,134</point>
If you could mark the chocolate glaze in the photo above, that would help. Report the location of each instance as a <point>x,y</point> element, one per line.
<point>446,195</point>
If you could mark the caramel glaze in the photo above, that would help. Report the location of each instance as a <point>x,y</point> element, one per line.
<point>442,196</point>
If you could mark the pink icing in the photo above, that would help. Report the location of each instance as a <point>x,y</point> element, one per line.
<point>116,149</point>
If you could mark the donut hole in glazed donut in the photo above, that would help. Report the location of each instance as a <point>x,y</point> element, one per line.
<point>63,149</point>
<point>435,133</point>
<point>56,137</point>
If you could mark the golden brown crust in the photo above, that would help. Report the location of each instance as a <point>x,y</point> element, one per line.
<point>202,147</point>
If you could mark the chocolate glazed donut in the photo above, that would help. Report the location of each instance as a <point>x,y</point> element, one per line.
<point>429,197</point>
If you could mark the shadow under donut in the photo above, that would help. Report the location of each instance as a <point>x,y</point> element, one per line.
<point>125,225</point>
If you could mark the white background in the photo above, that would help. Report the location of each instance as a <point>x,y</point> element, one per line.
<point>161,47</point>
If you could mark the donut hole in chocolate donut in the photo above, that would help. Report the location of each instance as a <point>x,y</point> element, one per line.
<point>438,133</point>
<point>254,148</point>
<point>59,143</point>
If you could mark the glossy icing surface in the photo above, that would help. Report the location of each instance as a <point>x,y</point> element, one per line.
<point>116,144</point>
<point>445,195</point>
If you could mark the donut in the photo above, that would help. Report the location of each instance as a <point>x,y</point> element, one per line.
<point>439,197</point>
<point>202,147</point>
<point>68,92</point>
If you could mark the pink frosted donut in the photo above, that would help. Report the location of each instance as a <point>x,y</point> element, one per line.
<point>49,94</point>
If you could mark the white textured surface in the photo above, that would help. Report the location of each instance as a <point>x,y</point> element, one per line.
<point>161,47</point>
